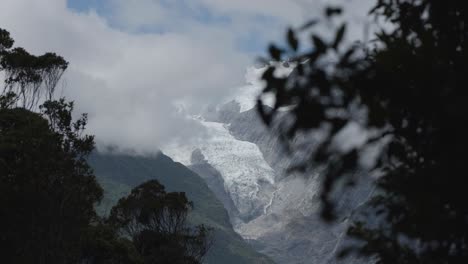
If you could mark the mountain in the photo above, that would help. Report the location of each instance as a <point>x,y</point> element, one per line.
<point>245,165</point>
<point>119,173</point>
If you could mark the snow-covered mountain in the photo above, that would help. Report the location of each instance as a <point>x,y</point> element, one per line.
<point>247,177</point>
<point>245,165</point>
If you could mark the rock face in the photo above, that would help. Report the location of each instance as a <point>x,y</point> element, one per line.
<point>245,165</point>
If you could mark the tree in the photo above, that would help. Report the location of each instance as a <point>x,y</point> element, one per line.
<point>156,221</point>
<point>30,78</point>
<point>406,89</point>
<point>103,245</point>
<point>47,190</point>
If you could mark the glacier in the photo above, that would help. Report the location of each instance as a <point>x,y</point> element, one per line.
<point>246,173</point>
<point>245,165</point>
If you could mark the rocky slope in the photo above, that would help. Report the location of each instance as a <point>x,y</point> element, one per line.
<point>245,166</point>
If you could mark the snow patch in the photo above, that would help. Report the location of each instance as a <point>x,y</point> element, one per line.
<point>241,164</point>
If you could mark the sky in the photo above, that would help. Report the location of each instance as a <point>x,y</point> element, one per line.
<point>133,63</point>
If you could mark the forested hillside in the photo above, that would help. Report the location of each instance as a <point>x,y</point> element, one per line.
<point>119,173</point>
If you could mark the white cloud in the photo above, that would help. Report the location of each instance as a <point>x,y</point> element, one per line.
<point>129,81</point>
<point>289,11</point>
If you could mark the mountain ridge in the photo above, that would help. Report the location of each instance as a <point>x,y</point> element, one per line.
<point>118,173</point>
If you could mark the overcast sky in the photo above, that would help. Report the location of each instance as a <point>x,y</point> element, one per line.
<point>132,61</point>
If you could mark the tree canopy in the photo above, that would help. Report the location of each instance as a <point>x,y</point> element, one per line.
<point>31,79</point>
<point>406,90</point>
<point>157,223</point>
<point>48,192</point>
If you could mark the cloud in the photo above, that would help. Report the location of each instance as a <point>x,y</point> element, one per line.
<point>131,66</point>
<point>128,83</point>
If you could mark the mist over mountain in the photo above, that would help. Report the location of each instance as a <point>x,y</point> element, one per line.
<point>126,135</point>
<point>246,166</point>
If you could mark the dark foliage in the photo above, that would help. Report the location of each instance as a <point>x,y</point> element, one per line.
<point>47,189</point>
<point>407,87</point>
<point>30,78</point>
<point>48,192</point>
<point>103,245</point>
<point>156,221</point>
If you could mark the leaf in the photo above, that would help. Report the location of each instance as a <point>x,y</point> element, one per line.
<point>344,61</point>
<point>292,40</point>
<point>339,36</point>
<point>319,44</point>
<point>350,160</point>
<point>337,125</point>
<point>333,11</point>
<point>275,52</point>
<point>268,74</point>
<point>309,24</point>
<point>266,117</point>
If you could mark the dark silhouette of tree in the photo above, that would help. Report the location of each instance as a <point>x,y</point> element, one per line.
<point>406,88</point>
<point>48,191</point>
<point>31,78</point>
<point>103,245</point>
<point>156,221</point>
